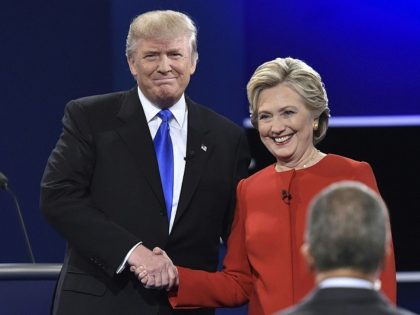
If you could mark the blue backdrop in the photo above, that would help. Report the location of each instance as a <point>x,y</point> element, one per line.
<point>53,51</point>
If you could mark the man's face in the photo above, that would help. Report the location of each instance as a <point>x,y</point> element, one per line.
<point>162,69</point>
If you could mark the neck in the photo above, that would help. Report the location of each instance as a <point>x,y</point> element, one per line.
<point>310,158</point>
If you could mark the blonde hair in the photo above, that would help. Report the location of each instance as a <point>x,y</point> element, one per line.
<point>301,78</point>
<point>161,25</point>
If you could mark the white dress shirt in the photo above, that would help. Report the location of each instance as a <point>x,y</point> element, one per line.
<point>178,131</point>
<point>348,282</point>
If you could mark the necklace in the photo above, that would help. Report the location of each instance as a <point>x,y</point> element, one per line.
<point>314,154</point>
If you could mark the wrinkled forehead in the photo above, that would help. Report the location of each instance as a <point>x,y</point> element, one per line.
<point>164,44</point>
<point>179,39</point>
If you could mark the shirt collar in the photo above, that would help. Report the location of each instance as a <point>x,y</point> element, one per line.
<point>150,110</point>
<point>346,282</point>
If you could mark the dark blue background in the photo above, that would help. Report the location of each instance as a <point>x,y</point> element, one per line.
<point>54,51</point>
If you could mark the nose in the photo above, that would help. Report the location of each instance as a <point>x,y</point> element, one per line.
<point>164,65</point>
<point>277,125</point>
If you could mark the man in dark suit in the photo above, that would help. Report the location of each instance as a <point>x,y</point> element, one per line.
<point>347,239</point>
<point>107,191</point>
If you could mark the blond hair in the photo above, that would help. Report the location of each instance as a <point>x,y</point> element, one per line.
<point>301,78</point>
<point>161,25</point>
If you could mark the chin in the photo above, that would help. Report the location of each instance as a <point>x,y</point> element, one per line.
<point>166,95</point>
<point>283,157</point>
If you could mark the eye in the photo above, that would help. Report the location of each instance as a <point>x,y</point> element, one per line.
<point>175,55</point>
<point>150,57</point>
<point>288,113</point>
<point>263,116</point>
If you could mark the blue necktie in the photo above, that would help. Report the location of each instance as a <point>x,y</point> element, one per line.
<point>165,158</point>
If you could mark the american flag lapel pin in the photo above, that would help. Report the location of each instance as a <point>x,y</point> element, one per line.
<point>204,148</point>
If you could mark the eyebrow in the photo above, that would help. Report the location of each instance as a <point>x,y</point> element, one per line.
<point>175,50</point>
<point>158,51</point>
<point>150,51</point>
<point>281,109</point>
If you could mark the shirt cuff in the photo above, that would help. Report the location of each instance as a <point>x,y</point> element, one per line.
<point>124,263</point>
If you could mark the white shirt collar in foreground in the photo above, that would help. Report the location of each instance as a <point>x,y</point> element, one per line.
<point>151,110</point>
<point>346,282</point>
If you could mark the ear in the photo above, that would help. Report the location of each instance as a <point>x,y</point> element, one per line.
<point>131,63</point>
<point>306,253</point>
<point>315,123</point>
<point>388,242</point>
<point>388,245</point>
<point>193,67</point>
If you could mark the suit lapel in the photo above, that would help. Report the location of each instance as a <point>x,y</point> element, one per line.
<point>136,134</point>
<point>199,149</point>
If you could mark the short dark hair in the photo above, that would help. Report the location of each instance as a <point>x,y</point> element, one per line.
<point>347,228</point>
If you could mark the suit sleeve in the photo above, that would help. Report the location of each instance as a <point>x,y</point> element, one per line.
<point>65,196</point>
<point>230,287</point>
<point>242,160</point>
<point>388,275</point>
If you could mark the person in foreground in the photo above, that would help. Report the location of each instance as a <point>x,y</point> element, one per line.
<point>346,241</point>
<point>263,265</point>
<point>138,169</point>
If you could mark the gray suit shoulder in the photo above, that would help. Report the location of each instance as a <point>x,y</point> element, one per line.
<point>402,311</point>
<point>297,310</point>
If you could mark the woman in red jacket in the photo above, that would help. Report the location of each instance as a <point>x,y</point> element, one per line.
<point>263,264</point>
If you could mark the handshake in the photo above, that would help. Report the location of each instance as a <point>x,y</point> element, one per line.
<point>154,269</point>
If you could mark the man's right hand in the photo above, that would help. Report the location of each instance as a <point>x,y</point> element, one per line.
<point>158,267</point>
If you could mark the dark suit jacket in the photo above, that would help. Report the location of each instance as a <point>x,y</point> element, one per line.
<point>345,301</point>
<point>101,191</point>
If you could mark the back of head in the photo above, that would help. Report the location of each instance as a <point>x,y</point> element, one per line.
<point>161,25</point>
<point>297,75</point>
<point>347,228</point>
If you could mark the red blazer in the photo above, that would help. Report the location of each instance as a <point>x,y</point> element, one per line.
<point>263,264</point>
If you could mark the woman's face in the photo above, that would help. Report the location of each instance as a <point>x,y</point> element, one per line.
<point>285,125</point>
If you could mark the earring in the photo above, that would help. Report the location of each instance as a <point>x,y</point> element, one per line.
<point>315,125</point>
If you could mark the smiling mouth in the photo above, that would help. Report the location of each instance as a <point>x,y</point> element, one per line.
<point>164,82</point>
<point>164,79</point>
<point>283,139</point>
